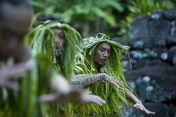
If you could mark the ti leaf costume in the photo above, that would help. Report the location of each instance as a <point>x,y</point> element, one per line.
<point>112,95</point>
<point>41,40</point>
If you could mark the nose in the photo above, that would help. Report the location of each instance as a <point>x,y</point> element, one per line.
<point>59,40</point>
<point>56,39</point>
<point>105,54</point>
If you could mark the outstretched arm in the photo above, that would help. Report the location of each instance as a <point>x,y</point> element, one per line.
<point>63,93</point>
<point>87,79</point>
<point>137,103</point>
<point>11,71</point>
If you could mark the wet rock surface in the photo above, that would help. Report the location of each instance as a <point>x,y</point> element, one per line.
<point>153,59</point>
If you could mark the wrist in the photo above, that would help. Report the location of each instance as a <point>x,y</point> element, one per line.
<point>138,101</point>
<point>103,76</point>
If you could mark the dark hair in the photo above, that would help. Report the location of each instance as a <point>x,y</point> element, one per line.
<point>101,35</point>
<point>47,17</point>
<point>15,2</point>
<point>51,17</point>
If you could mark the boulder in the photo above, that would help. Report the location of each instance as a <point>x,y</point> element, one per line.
<point>155,84</point>
<point>139,27</point>
<point>173,55</point>
<point>170,14</point>
<point>159,27</point>
<point>141,63</point>
<point>148,42</point>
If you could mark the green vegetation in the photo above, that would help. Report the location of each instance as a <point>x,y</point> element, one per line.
<point>93,16</point>
<point>87,16</point>
<point>138,7</point>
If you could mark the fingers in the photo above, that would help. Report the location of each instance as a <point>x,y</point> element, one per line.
<point>12,85</point>
<point>10,62</point>
<point>147,111</point>
<point>96,100</point>
<point>153,113</point>
<point>87,91</point>
<point>117,84</point>
<point>24,66</point>
<point>49,98</point>
<point>142,108</point>
<point>19,70</point>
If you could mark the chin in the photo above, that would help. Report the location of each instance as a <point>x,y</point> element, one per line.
<point>58,56</point>
<point>101,65</point>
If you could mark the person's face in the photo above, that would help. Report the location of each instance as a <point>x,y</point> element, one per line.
<point>102,53</point>
<point>58,42</point>
<point>14,24</point>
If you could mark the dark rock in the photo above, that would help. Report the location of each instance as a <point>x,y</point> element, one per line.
<point>159,109</point>
<point>173,55</point>
<point>171,40</point>
<point>163,54</point>
<point>173,49</point>
<point>139,27</point>
<point>155,84</point>
<point>172,37</point>
<point>174,59</point>
<point>136,43</point>
<point>156,14</point>
<point>173,28</point>
<point>170,14</point>
<point>120,40</point>
<point>152,53</point>
<point>153,59</point>
<point>148,62</point>
<point>159,28</point>
<point>148,42</point>
<point>126,66</point>
<point>138,54</point>
<point>160,53</point>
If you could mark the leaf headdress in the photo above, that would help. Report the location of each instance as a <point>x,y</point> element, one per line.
<point>41,40</point>
<point>113,64</point>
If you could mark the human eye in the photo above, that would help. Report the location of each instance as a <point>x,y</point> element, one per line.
<point>61,35</point>
<point>109,51</point>
<point>102,49</point>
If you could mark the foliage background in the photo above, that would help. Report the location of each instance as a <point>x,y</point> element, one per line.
<point>92,16</point>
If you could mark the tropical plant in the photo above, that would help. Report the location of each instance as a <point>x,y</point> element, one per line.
<point>88,16</point>
<point>137,7</point>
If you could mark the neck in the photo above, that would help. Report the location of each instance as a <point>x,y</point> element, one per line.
<point>98,67</point>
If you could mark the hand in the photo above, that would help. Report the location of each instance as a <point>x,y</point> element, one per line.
<point>113,81</point>
<point>9,72</point>
<point>65,93</point>
<point>87,97</point>
<point>140,106</point>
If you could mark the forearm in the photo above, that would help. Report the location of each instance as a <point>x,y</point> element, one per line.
<point>87,79</point>
<point>137,103</point>
<point>131,97</point>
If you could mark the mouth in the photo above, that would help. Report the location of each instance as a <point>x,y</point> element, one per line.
<point>58,50</point>
<point>58,53</point>
<point>103,60</point>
